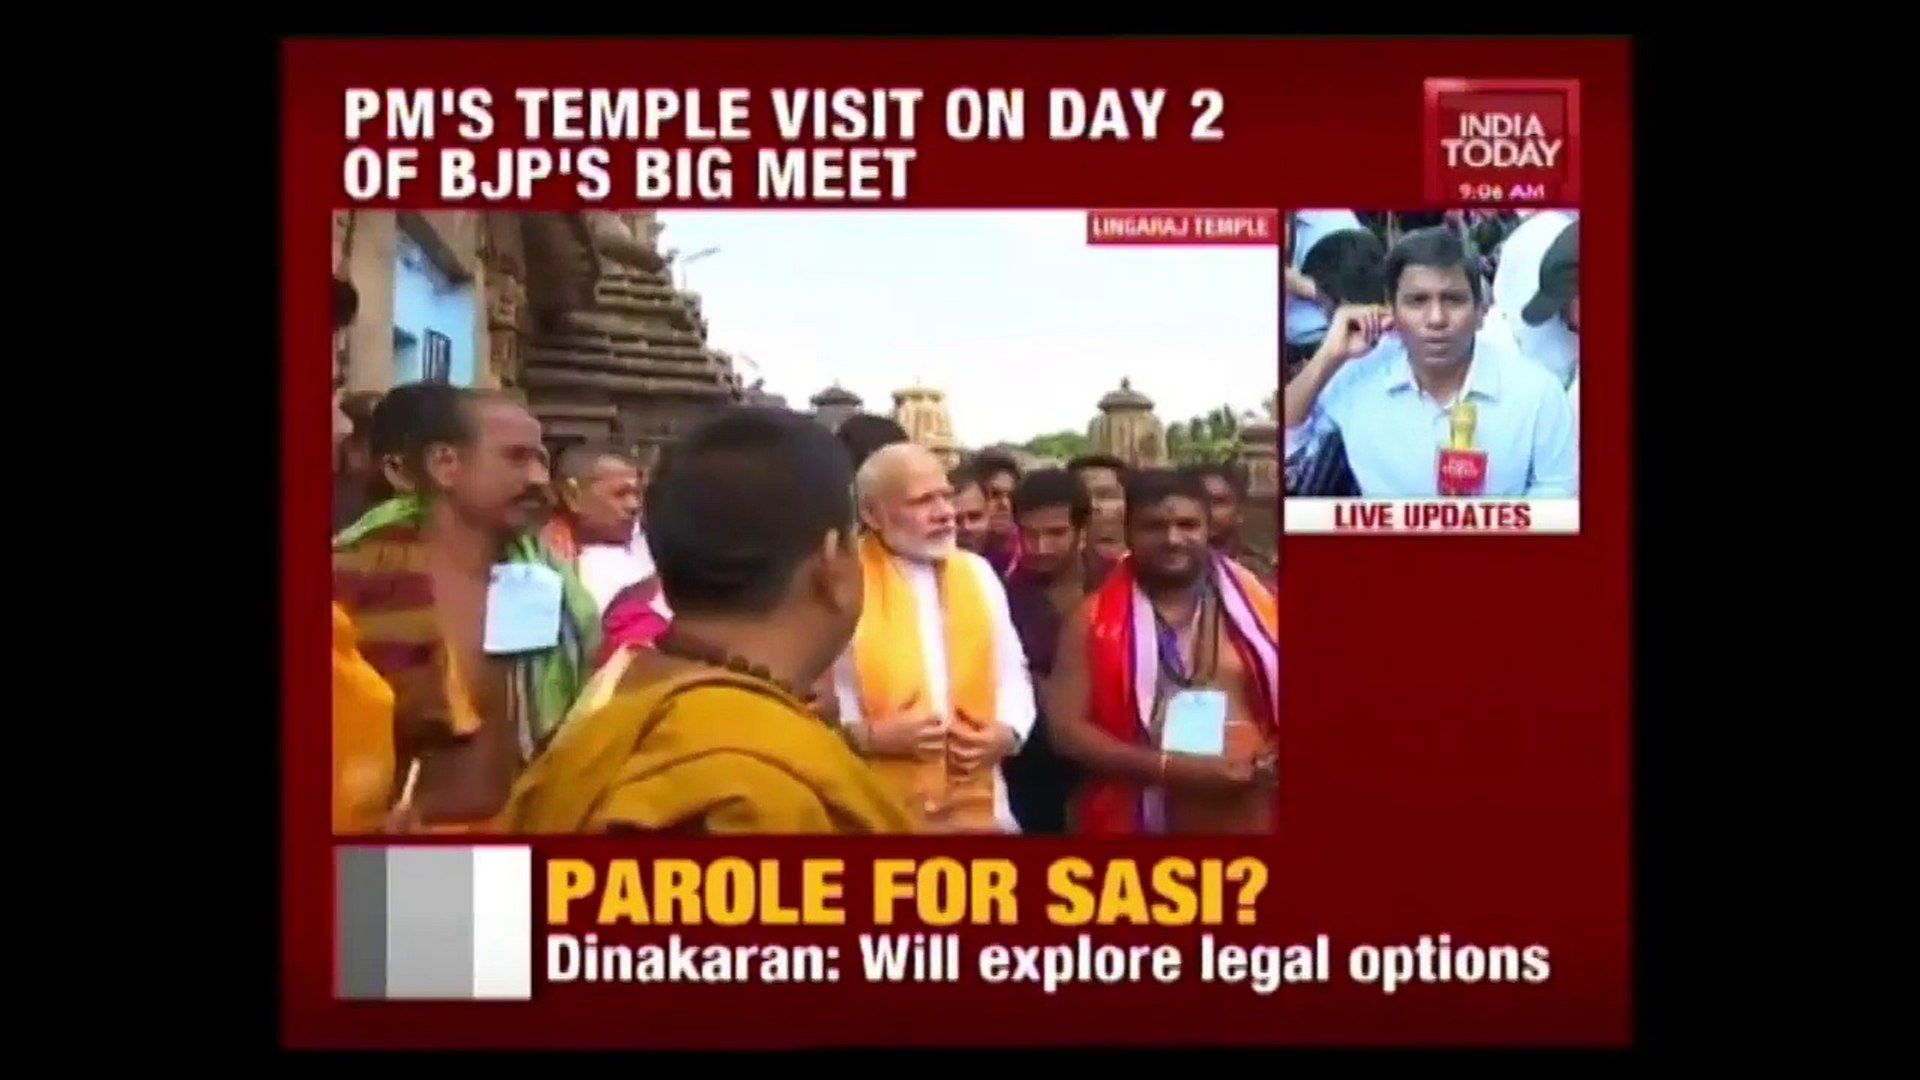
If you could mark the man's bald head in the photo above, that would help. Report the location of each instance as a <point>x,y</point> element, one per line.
<point>905,499</point>
<point>580,461</point>
<point>600,486</point>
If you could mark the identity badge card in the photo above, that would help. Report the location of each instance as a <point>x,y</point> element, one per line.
<point>1196,723</point>
<point>523,609</point>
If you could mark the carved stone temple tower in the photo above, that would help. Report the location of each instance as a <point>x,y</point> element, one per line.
<point>1260,452</point>
<point>833,405</point>
<point>923,412</point>
<point>612,349</point>
<point>1260,455</point>
<point>1127,428</point>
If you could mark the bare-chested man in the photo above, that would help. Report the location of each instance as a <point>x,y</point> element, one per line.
<point>483,637</point>
<point>1164,680</point>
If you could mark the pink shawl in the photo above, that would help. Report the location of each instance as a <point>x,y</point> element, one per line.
<point>634,619</point>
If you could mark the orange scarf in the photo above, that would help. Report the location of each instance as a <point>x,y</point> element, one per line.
<point>557,537</point>
<point>891,673</point>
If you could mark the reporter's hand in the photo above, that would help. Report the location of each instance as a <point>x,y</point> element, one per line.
<point>1354,331</point>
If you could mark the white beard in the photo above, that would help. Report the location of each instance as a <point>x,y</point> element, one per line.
<point>931,551</point>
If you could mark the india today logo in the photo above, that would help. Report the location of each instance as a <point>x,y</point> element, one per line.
<point>1462,473</point>
<point>1503,140</point>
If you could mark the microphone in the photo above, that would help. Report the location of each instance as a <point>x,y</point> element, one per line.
<point>1460,470</point>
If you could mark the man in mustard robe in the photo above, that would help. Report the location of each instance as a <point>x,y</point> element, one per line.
<point>709,731</point>
<point>934,687</point>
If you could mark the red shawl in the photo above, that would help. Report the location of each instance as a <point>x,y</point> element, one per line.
<point>633,619</point>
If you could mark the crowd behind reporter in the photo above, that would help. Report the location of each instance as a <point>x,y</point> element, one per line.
<point>1468,322</point>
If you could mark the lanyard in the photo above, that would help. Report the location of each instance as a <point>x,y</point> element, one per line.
<point>1169,643</point>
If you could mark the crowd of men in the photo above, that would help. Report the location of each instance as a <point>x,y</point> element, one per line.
<point>777,628</point>
<point>1416,342</point>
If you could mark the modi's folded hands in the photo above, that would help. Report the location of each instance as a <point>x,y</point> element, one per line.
<point>976,744</point>
<point>909,734</point>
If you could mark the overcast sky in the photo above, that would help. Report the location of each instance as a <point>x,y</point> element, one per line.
<point>1022,323</point>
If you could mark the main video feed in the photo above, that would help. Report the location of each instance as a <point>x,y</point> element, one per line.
<point>1432,378</point>
<point>745,522</point>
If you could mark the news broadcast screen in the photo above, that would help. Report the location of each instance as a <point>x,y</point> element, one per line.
<point>816,558</point>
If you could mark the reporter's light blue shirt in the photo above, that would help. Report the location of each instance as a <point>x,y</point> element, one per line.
<point>1393,432</point>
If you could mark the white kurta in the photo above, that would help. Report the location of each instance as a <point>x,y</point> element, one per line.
<point>606,569</point>
<point>1013,688</point>
<point>1553,344</point>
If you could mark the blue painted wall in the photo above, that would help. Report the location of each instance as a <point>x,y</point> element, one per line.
<point>424,299</point>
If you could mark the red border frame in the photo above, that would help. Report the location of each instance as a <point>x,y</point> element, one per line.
<point>1456,751</point>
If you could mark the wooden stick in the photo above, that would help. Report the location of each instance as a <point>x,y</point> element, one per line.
<point>406,791</point>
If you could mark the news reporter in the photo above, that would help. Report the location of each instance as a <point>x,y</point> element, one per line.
<point>1395,381</point>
